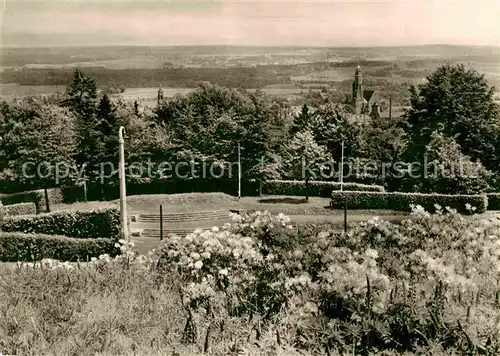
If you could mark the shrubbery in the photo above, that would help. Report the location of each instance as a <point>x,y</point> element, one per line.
<point>383,280</point>
<point>20,209</point>
<point>99,223</point>
<point>34,196</point>
<point>315,188</point>
<point>403,201</point>
<point>493,201</point>
<point>15,246</point>
<point>222,185</point>
<point>161,186</point>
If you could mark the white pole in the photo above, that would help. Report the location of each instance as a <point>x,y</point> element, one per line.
<point>239,172</point>
<point>342,168</point>
<point>123,194</point>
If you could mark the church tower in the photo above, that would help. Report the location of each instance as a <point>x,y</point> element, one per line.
<point>357,91</point>
<point>160,96</point>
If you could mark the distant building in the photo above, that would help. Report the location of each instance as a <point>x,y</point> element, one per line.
<point>363,100</point>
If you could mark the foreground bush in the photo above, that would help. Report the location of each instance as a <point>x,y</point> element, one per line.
<point>15,246</point>
<point>382,286</point>
<point>403,201</point>
<point>315,188</point>
<point>20,209</point>
<point>103,223</point>
<point>428,285</point>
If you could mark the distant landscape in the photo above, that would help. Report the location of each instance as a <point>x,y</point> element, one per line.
<point>135,73</point>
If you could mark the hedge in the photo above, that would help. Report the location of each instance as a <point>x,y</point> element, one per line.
<point>162,186</point>
<point>493,201</point>
<point>402,201</point>
<point>20,209</point>
<point>16,246</point>
<point>34,196</point>
<point>104,223</point>
<point>316,188</point>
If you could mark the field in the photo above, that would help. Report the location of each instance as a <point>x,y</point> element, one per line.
<point>146,96</point>
<point>198,202</point>
<point>8,92</point>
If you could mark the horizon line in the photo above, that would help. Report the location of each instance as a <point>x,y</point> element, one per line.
<point>254,46</point>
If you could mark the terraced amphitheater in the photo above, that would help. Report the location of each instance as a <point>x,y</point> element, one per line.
<point>146,227</point>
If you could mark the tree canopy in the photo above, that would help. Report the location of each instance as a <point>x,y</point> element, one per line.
<point>452,117</point>
<point>458,102</point>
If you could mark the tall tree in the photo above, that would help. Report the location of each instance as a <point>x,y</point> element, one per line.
<point>208,124</point>
<point>331,125</point>
<point>105,139</point>
<point>447,170</point>
<point>40,147</point>
<point>302,121</point>
<point>304,158</point>
<point>81,99</point>
<point>81,96</point>
<point>459,102</point>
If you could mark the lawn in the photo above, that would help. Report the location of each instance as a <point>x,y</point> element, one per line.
<point>197,202</point>
<point>315,211</point>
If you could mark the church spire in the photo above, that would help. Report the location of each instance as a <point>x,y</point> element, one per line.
<point>357,91</point>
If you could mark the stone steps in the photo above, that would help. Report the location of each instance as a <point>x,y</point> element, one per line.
<point>155,234</point>
<point>182,217</point>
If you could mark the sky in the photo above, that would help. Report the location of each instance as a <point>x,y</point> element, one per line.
<point>250,23</point>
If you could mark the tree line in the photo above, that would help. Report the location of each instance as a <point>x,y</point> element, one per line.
<point>452,119</point>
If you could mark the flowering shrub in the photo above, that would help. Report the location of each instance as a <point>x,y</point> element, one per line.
<point>128,259</point>
<point>227,264</point>
<point>430,282</point>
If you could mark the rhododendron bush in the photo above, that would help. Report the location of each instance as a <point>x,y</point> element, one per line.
<point>425,284</point>
<point>432,269</point>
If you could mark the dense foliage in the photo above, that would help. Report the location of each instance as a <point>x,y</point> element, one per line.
<point>98,223</point>
<point>315,188</point>
<point>493,201</point>
<point>404,201</point>
<point>55,196</point>
<point>459,103</point>
<point>452,120</point>
<point>22,247</point>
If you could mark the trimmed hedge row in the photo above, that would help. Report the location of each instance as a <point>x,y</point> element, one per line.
<point>162,186</point>
<point>34,196</point>
<point>316,188</point>
<point>103,223</point>
<point>16,246</point>
<point>402,201</point>
<point>211,185</point>
<point>20,209</point>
